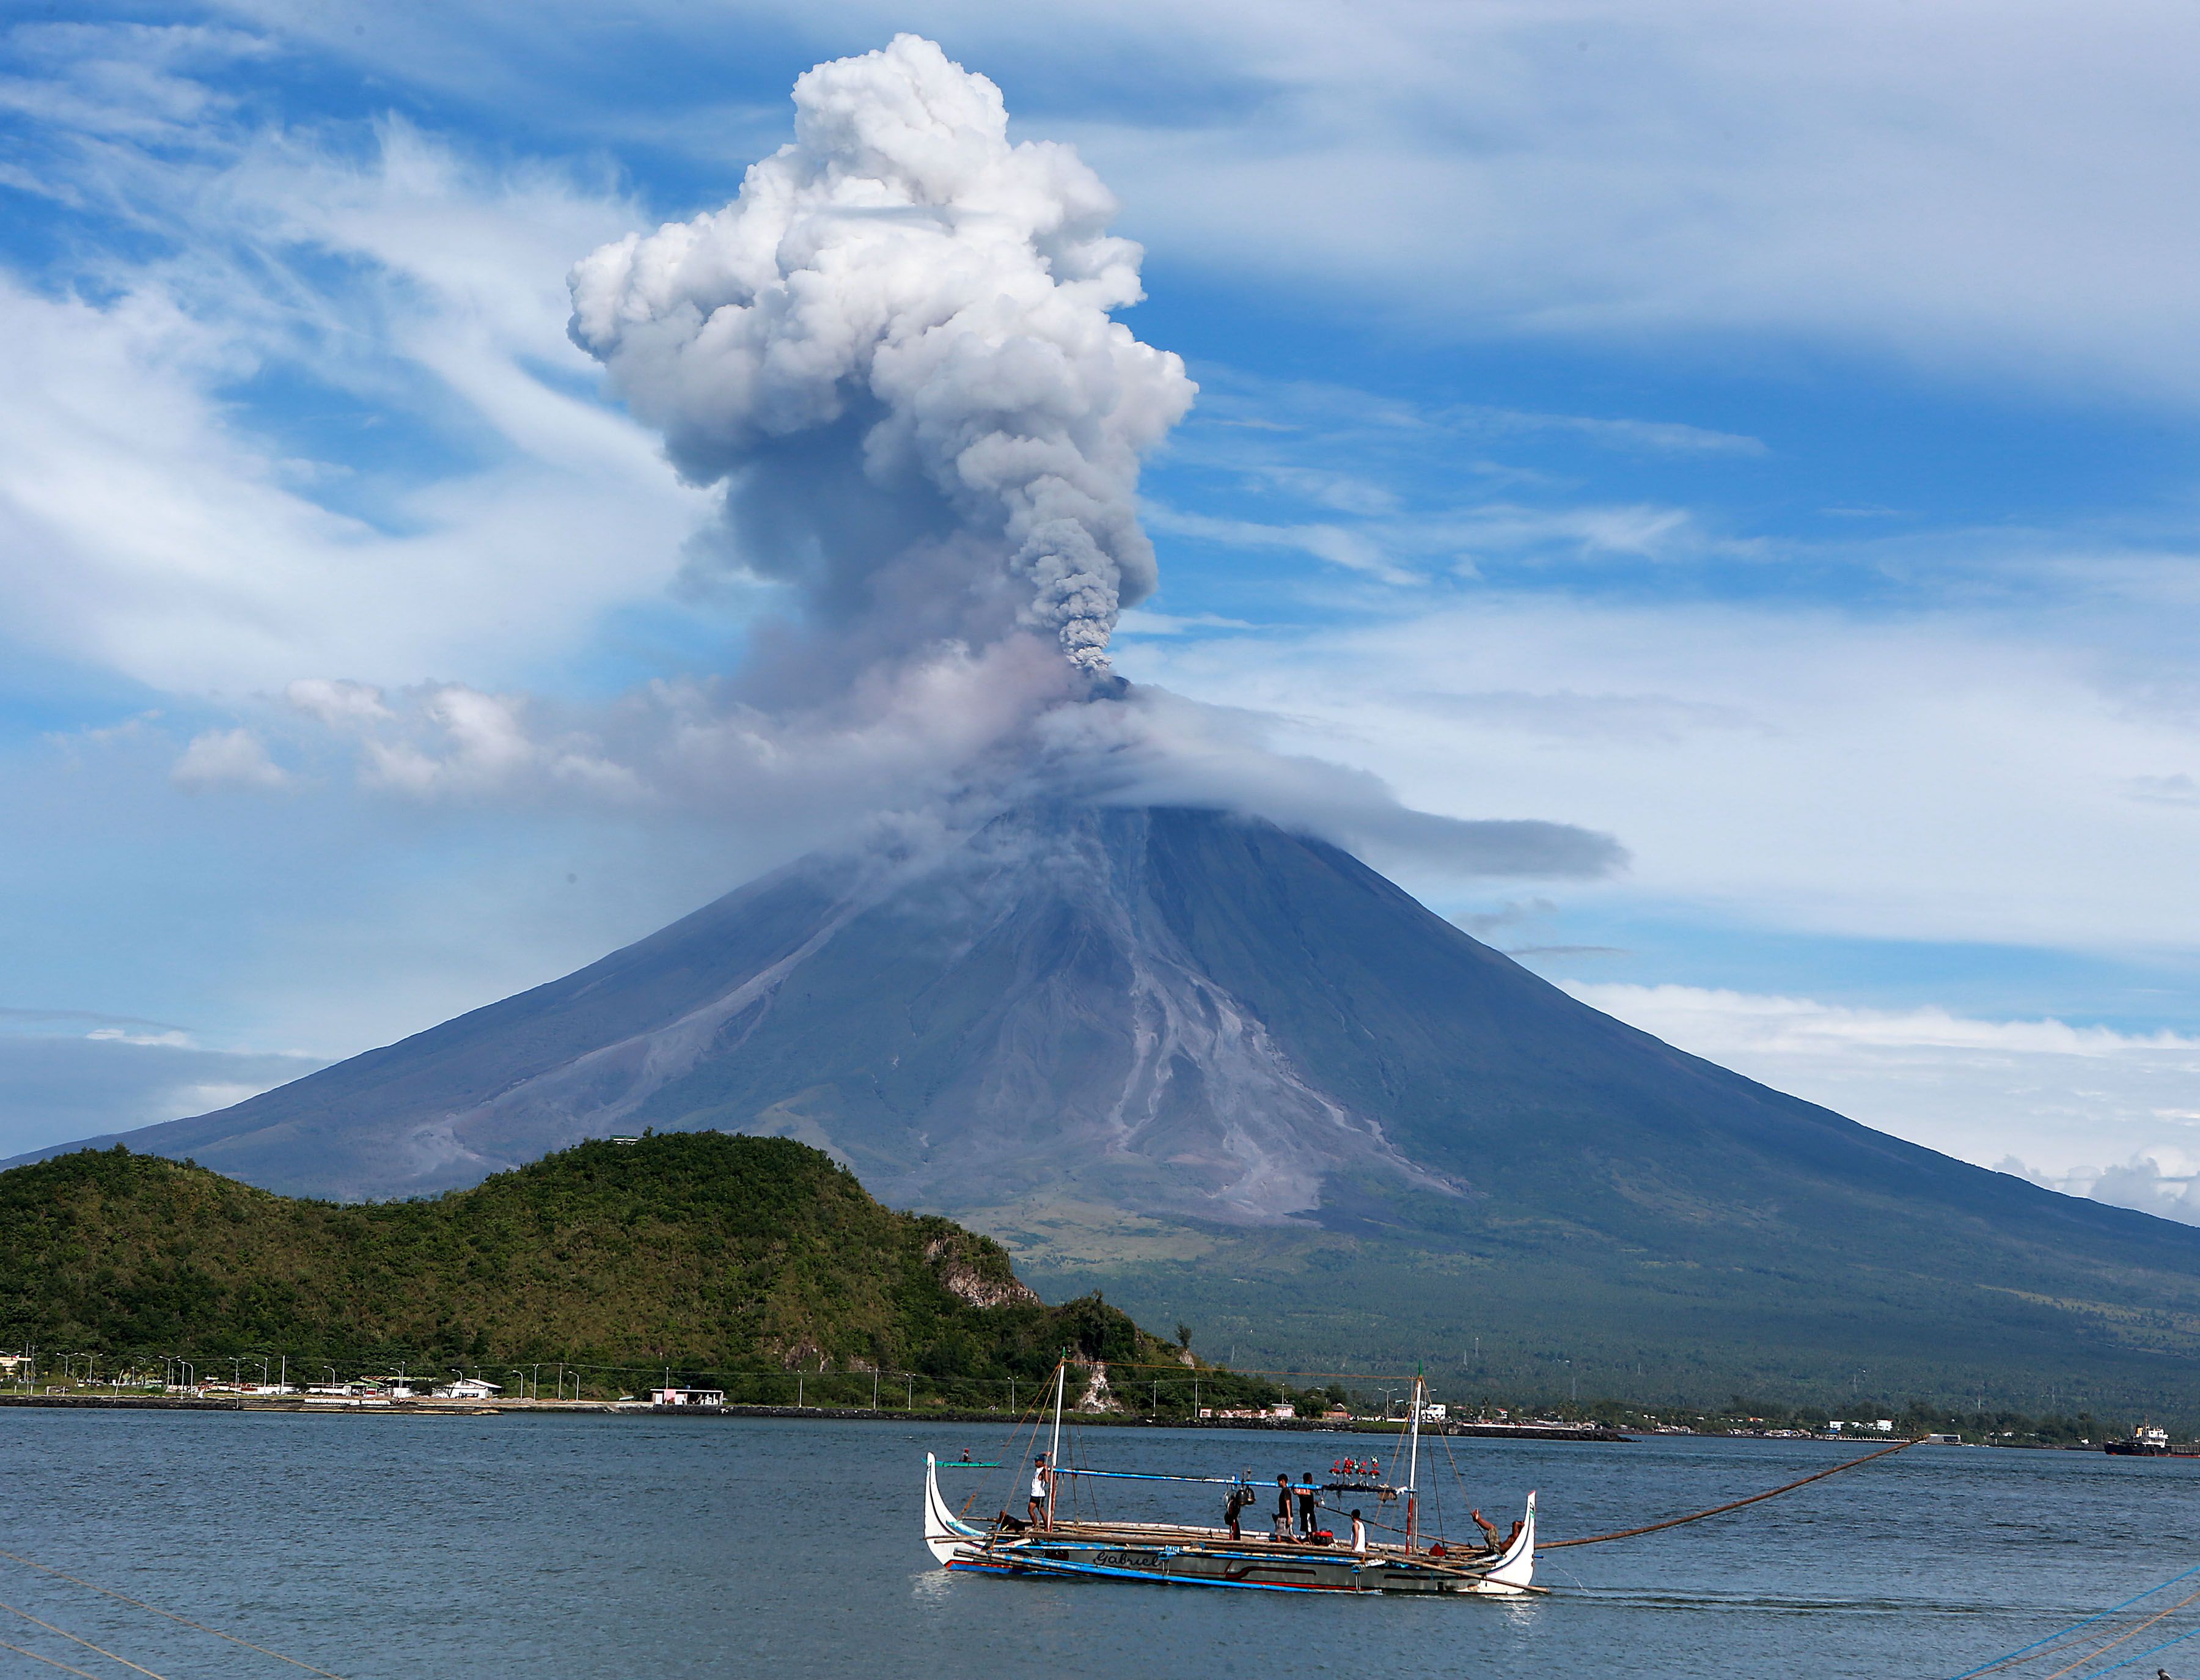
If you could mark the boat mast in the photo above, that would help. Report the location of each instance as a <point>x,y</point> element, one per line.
<point>1413,1467</point>
<point>1054,1453</point>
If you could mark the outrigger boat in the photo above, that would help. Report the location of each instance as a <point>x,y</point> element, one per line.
<point>1179,1555</point>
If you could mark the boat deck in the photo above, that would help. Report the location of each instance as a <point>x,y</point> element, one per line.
<point>1177,1533</point>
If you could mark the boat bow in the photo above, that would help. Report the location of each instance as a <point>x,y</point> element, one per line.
<point>1514,1571</point>
<point>944,1531</point>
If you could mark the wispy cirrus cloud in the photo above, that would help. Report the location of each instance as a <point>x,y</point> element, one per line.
<point>2044,1099</point>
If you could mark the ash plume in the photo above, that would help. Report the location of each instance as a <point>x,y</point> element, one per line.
<point>895,349</point>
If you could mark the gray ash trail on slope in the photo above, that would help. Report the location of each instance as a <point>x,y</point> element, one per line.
<point>963,1019</point>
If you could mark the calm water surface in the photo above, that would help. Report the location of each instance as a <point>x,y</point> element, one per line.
<point>392,1546</point>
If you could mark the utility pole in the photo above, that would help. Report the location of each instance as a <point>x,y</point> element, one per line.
<point>874,1388</point>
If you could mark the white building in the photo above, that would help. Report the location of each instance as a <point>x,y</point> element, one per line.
<point>468,1388</point>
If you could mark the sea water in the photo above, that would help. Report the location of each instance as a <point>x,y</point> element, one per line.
<point>388,1545</point>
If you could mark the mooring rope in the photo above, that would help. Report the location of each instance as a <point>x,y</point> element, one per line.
<point>48,1569</point>
<point>79,1639</point>
<point>1718,1510</point>
<point>51,1662</point>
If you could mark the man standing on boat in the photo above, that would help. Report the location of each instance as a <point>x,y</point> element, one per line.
<point>1241,1500</point>
<point>1309,1505</point>
<point>1359,1535</point>
<point>1283,1507</point>
<point>1036,1508</point>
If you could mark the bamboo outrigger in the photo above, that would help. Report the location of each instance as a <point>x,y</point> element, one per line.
<point>1182,1555</point>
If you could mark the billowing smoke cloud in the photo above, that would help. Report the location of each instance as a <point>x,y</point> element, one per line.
<point>895,348</point>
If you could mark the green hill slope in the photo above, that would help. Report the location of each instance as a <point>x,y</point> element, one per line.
<point>714,1255</point>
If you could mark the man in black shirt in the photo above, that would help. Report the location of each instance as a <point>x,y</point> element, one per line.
<point>1234,1506</point>
<point>1309,1504</point>
<point>1283,1507</point>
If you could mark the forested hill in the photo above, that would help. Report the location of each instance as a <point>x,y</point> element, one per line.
<point>715,1254</point>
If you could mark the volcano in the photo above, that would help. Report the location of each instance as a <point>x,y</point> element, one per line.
<point>1234,1076</point>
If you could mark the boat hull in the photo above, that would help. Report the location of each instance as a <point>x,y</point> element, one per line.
<point>1187,1558</point>
<point>1214,1566</point>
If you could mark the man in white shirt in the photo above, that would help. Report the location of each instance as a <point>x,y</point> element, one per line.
<point>1359,1535</point>
<point>1035,1509</point>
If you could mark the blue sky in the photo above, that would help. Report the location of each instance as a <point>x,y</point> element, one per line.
<point>1764,435</point>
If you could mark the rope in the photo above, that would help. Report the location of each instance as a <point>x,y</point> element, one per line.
<point>2120,1638</point>
<point>2099,1615</point>
<point>186,1621</point>
<point>1718,1510</point>
<point>86,1643</point>
<point>20,1652</point>
<point>1134,1476</point>
<point>2141,1656</point>
<point>1011,1462</point>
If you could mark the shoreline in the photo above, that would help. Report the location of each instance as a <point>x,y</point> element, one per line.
<point>832,1413</point>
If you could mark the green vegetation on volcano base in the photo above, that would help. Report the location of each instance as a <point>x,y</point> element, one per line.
<point>743,1259</point>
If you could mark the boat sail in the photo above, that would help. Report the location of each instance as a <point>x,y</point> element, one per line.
<point>1078,1548</point>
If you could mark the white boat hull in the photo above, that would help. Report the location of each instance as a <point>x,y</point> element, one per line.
<point>1192,1557</point>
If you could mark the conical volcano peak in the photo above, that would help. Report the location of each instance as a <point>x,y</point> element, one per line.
<point>1164,1048</point>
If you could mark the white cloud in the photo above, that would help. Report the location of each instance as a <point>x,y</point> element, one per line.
<point>1925,778</point>
<point>337,702</point>
<point>226,758</point>
<point>1600,170</point>
<point>56,1088</point>
<point>2042,1098</point>
<point>172,1038</point>
<point>146,528</point>
<point>1354,550</point>
<point>480,745</point>
<point>1965,184</point>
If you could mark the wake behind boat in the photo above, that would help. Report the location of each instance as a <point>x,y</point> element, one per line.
<point>1077,1547</point>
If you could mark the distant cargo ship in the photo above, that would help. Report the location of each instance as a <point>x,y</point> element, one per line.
<point>2146,1441</point>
